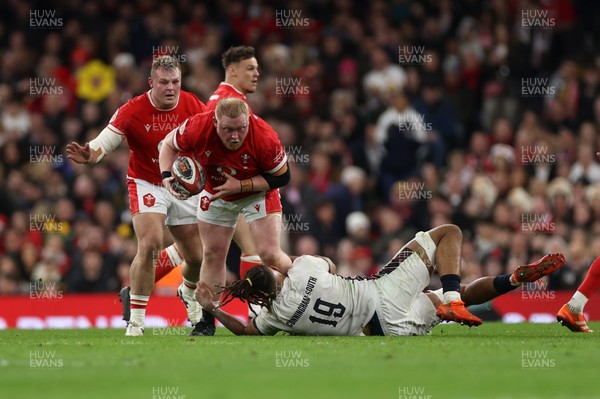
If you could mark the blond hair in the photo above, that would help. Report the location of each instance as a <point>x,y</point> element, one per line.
<point>165,62</point>
<point>231,107</point>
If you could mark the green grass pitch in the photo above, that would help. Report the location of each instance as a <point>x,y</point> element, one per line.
<point>494,361</point>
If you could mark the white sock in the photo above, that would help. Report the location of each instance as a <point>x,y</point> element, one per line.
<point>138,315</point>
<point>451,296</point>
<point>577,302</point>
<point>187,291</point>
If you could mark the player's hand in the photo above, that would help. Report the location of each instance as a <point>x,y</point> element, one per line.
<point>598,154</point>
<point>175,188</point>
<point>230,187</point>
<point>204,296</point>
<point>79,154</point>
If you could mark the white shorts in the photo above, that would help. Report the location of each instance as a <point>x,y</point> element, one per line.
<point>145,197</point>
<point>225,213</point>
<point>403,307</point>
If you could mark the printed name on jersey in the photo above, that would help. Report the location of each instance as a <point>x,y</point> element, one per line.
<point>310,286</point>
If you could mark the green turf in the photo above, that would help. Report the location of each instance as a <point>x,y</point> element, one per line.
<point>494,361</point>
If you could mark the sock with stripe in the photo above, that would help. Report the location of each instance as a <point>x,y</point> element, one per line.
<point>168,259</point>
<point>189,288</point>
<point>138,309</point>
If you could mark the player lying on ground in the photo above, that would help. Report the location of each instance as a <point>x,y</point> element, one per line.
<point>571,313</point>
<point>312,300</point>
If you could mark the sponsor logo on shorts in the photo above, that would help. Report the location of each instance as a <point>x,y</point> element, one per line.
<point>257,207</point>
<point>149,200</point>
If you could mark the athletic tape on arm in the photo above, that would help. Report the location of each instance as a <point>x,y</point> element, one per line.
<point>106,141</point>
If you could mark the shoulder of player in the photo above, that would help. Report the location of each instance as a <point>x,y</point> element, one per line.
<point>260,124</point>
<point>304,262</point>
<point>135,103</point>
<point>185,97</point>
<point>200,119</point>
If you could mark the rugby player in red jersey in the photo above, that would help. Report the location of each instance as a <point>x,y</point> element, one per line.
<point>245,164</point>
<point>143,122</point>
<point>241,78</point>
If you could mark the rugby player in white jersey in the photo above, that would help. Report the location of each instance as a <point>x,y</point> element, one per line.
<point>312,300</point>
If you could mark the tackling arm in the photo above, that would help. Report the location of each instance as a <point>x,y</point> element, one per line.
<point>235,325</point>
<point>204,296</point>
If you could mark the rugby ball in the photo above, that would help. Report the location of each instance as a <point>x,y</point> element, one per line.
<point>189,175</point>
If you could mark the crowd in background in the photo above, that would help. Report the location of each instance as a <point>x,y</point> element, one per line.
<point>493,126</point>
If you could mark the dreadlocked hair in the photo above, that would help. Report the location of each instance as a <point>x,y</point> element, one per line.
<point>256,288</point>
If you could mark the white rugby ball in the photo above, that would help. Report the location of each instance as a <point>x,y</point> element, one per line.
<point>189,174</point>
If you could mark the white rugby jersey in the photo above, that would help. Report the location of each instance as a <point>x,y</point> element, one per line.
<point>314,302</point>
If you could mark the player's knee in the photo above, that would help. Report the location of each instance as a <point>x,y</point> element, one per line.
<point>452,230</point>
<point>212,254</point>
<point>149,248</point>
<point>268,257</point>
<point>194,262</point>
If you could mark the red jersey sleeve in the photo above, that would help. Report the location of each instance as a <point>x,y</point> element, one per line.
<point>272,156</point>
<point>188,135</point>
<point>119,122</point>
<point>199,104</point>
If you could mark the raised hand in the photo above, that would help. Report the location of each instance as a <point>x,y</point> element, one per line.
<point>79,154</point>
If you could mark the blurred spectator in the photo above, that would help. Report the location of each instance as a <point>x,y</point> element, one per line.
<point>381,77</point>
<point>402,132</point>
<point>401,147</point>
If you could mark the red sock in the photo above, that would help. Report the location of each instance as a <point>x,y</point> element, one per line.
<point>592,280</point>
<point>247,262</point>
<point>167,260</point>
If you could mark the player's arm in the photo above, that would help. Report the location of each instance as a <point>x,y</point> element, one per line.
<point>264,182</point>
<point>332,267</point>
<point>95,150</point>
<point>168,153</point>
<point>234,324</point>
<point>205,297</point>
<point>166,157</point>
